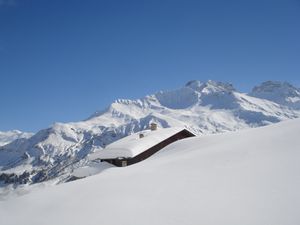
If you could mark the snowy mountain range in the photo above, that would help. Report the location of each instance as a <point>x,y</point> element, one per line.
<point>202,107</point>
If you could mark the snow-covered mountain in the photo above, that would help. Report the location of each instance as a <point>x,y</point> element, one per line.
<point>246,177</point>
<point>280,92</point>
<point>9,136</point>
<point>202,107</point>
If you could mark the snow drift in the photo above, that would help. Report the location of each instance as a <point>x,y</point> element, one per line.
<point>244,177</point>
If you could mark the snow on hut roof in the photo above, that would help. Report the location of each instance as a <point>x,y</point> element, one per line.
<point>133,145</point>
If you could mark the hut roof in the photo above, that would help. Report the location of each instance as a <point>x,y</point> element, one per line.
<point>133,145</point>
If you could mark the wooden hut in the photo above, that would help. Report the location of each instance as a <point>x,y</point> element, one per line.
<point>139,146</point>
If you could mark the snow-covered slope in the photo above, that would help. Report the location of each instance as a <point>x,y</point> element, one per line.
<point>247,177</point>
<point>9,136</point>
<point>202,107</point>
<point>280,92</point>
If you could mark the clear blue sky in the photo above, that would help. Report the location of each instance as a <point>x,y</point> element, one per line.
<point>63,60</point>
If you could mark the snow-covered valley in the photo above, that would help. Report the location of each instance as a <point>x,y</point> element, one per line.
<point>250,176</point>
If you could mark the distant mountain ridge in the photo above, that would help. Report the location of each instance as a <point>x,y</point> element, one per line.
<point>280,92</point>
<point>9,136</point>
<point>202,107</point>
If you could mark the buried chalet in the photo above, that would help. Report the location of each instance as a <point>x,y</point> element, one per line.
<point>139,146</point>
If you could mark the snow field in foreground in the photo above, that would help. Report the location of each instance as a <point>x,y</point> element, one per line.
<point>245,177</point>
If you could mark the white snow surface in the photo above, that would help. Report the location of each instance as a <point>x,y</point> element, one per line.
<point>249,177</point>
<point>133,145</point>
<point>91,169</point>
<point>9,136</point>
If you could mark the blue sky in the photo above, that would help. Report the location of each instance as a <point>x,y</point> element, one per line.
<point>63,60</point>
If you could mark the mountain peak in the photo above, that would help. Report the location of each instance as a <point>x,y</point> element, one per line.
<point>271,86</point>
<point>210,86</point>
<point>280,92</point>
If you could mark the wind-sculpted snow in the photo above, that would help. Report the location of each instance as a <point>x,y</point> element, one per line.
<point>202,107</point>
